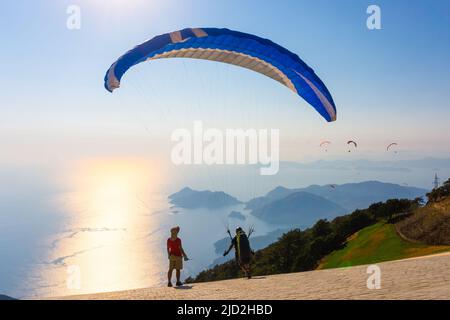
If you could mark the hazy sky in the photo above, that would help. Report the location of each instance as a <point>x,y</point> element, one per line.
<point>73,155</point>
<point>388,85</point>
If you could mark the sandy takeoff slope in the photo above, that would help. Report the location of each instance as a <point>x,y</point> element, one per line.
<point>418,278</point>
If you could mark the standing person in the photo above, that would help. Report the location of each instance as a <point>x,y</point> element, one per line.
<point>175,254</point>
<point>242,250</point>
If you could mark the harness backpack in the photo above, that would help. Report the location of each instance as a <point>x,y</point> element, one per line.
<point>243,247</point>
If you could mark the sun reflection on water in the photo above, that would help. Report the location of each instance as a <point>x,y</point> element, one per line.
<point>104,237</point>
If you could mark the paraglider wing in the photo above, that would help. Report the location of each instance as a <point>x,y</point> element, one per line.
<point>391,145</point>
<point>232,47</point>
<point>351,142</point>
<point>323,143</point>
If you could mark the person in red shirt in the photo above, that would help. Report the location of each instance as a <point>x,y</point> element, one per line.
<point>175,254</point>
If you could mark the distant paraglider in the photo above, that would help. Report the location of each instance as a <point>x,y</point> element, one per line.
<point>392,145</point>
<point>232,47</point>
<point>325,144</point>
<point>351,142</point>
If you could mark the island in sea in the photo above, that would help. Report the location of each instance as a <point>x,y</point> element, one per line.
<point>193,199</point>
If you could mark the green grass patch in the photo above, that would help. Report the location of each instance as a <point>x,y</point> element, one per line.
<point>376,243</point>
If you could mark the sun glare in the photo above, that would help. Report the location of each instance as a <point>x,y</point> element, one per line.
<point>111,188</point>
<point>122,6</point>
<point>109,218</point>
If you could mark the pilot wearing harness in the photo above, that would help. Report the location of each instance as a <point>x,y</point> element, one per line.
<point>243,252</point>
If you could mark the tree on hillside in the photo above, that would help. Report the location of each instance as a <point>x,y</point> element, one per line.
<point>437,194</point>
<point>393,207</point>
<point>321,228</point>
<point>419,202</point>
<point>355,221</point>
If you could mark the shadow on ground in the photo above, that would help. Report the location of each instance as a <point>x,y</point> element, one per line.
<point>257,278</point>
<point>184,287</point>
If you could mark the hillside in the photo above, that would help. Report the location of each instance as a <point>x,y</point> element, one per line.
<point>429,224</point>
<point>377,243</point>
<point>298,250</point>
<point>420,231</point>
<point>363,236</point>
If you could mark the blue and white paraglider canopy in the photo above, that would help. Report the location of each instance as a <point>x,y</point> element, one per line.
<point>232,47</point>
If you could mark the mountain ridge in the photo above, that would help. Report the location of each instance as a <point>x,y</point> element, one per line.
<point>299,208</point>
<point>192,199</point>
<point>350,196</point>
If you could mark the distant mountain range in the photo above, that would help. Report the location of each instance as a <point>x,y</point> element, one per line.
<point>301,206</point>
<point>193,199</point>
<point>304,206</point>
<point>369,165</point>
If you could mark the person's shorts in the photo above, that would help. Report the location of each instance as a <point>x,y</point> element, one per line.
<point>175,262</point>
